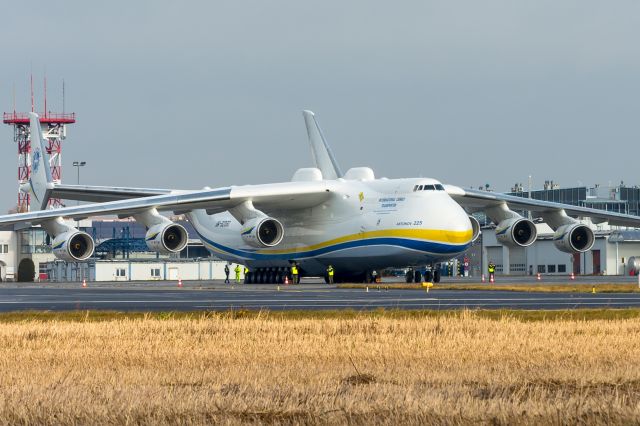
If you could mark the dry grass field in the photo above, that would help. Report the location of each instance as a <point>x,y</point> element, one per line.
<point>451,368</point>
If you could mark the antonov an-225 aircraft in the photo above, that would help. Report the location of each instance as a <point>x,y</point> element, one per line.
<point>351,220</point>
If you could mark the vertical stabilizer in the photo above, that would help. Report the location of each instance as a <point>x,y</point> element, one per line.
<point>322,155</point>
<point>40,181</point>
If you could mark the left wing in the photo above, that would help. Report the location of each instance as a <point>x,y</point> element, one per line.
<point>267,197</point>
<point>474,200</point>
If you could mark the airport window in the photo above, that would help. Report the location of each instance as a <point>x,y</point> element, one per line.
<point>541,269</point>
<point>155,272</point>
<point>6,248</point>
<point>551,269</point>
<point>1,250</point>
<point>562,268</point>
<point>120,272</point>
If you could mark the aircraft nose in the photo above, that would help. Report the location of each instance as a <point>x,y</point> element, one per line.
<point>458,223</point>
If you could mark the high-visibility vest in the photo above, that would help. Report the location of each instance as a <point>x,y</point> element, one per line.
<point>330,271</point>
<point>294,270</point>
<point>237,269</point>
<point>492,269</point>
<point>246,270</point>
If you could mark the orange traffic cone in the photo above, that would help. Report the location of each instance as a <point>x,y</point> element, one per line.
<point>84,283</point>
<point>483,280</point>
<point>286,280</point>
<point>573,276</point>
<point>539,277</point>
<point>179,282</point>
<point>492,280</point>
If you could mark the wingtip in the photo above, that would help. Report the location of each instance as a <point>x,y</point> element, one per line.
<point>308,112</point>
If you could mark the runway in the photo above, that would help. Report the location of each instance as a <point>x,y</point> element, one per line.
<point>198,297</point>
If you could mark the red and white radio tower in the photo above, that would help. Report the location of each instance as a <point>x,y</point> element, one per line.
<point>54,128</point>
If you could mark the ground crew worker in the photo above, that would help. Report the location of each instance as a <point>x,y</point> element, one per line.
<point>330,272</point>
<point>246,272</point>
<point>226,273</point>
<point>492,271</point>
<point>294,274</point>
<point>374,276</point>
<point>237,271</point>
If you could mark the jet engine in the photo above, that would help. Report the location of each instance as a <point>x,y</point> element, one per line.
<point>167,237</point>
<point>475,227</point>
<point>262,232</point>
<point>73,246</point>
<point>573,238</point>
<point>516,232</point>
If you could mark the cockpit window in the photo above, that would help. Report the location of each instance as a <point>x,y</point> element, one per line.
<point>439,187</point>
<point>420,188</point>
<point>415,188</point>
<point>429,188</point>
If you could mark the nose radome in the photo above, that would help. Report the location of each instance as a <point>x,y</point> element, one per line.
<point>458,223</point>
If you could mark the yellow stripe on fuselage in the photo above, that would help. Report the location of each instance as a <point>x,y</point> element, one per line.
<point>436,235</point>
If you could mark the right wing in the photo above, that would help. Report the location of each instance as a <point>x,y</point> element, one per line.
<point>100,194</point>
<point>267,197</point>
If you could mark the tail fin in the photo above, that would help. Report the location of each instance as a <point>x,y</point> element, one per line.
<point>322,155</point>
<point>40,182</point>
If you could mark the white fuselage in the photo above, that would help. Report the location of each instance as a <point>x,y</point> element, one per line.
<point>362,225</point>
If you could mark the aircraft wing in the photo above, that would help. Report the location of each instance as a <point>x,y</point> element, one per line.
<point>474,200</point>
<point>100,194</point>
<point>267,197</point>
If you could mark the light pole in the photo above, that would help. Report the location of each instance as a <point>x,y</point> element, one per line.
<point>77,165</point>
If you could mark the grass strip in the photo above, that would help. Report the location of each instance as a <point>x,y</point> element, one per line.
<point>346,314</point>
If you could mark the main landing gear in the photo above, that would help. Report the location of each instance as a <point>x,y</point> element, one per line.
<point>267,276</point>
<point>431,274</point>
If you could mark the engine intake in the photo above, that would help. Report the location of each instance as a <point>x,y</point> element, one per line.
<point>574,238</point>
<point>516,232</point>
<point>263,232</point>
<point>167,238</point>
<point>73,245</point>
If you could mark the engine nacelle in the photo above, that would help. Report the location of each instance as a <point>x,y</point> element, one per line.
<point>167,237</point>
<point>263,232</point>
<point>73,246</point>
<point>574,238</point>
<point>516,232</point>
<point>475,228</point>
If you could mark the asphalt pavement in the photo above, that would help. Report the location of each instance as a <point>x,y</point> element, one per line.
<point>201,296</point>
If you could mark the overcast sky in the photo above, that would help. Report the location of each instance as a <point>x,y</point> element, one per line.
<point>187,94</point>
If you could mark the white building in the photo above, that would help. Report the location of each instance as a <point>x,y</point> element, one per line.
<point>140,270</point>
<point>609,255</point>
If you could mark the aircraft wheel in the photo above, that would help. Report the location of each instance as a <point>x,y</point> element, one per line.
<point>409,276</point>
<point>417,277</point>
<point>436,276</point>
<point>368,279</point>
<point>261,275</point>
<point>247,277</point>
<point>427,276</point>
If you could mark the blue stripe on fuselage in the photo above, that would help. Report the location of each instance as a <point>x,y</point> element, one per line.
<point>418,245</point>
